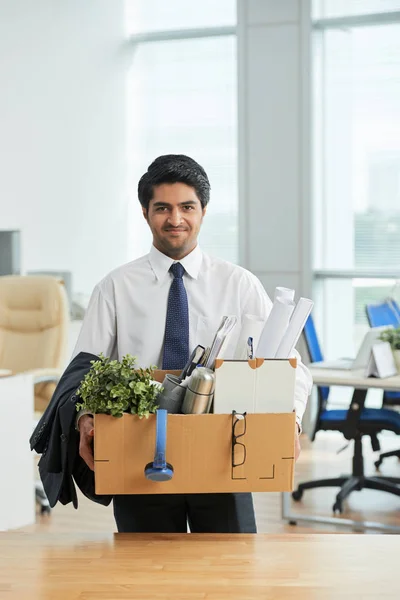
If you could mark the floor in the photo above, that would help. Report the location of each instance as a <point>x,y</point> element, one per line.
<point>320,459</point>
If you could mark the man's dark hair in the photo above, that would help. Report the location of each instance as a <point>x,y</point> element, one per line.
<point>174,168</point>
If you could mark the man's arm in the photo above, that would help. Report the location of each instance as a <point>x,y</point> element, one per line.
<point>302,389</point>
<point>99,328</point>
<point>98,334</point>
<point>86,437</point>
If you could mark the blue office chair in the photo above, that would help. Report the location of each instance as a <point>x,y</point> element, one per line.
<point>385,313</point>
<point>353,423</point>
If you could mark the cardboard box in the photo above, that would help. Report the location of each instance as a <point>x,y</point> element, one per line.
<point>200,449</point>
<point>200,446</point>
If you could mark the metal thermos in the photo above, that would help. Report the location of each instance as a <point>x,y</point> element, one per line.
<point>200,391</point>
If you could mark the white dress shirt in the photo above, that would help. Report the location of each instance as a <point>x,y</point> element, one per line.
<point>127,310</point>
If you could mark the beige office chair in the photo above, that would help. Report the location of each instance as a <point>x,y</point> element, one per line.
<point>33,336</point>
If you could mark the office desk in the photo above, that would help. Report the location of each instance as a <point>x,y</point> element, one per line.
<point>356,380</point>
<point>79,566</point>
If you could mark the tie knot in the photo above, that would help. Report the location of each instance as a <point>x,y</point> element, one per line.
<point>177,270</point>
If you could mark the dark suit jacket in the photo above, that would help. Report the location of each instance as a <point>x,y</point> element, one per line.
<point>56,439</point>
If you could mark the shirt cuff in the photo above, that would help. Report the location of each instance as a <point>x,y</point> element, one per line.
<point>298,421</point>
<point>79,415</point>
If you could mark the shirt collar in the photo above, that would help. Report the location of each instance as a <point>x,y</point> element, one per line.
<point>161,263</point>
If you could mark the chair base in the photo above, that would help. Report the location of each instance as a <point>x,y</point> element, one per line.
<point>348,484</point>
<point>386,455</point>
<point>41,498</point>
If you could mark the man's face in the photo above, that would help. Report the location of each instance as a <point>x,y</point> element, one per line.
<point>175,216</point>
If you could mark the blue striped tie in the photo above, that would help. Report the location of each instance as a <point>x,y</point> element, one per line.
<point>176,340</point>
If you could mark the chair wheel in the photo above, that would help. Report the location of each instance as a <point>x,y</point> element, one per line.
<point>292,522</point>
<point>297,495</point>
<point>378,463</point>
<point>337,507</point>
<point>45,510</point>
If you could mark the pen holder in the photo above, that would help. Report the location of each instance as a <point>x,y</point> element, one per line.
<point>171,398</point>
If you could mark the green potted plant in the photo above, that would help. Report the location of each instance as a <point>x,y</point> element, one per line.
<point>115,387</point>
<point>393,337</point>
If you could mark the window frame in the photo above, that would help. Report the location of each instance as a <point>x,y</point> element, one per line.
<point>320,275</point>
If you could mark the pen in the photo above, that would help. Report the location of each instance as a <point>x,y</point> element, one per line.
<point>250,348</point>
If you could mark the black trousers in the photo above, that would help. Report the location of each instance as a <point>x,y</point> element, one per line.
<point>170,513</point>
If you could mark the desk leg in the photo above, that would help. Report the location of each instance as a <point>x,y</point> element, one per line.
<point>293,518</point>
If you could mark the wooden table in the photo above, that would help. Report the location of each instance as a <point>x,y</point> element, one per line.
<point>214,567</point>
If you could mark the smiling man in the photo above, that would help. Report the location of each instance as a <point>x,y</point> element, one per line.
<point>174,216</point>
<point>158,308</point>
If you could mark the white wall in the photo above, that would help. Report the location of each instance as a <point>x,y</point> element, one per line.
<point>274,141</point>
<point>62,142</point>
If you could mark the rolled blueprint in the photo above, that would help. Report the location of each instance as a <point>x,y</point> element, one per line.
<point>283,292</point>
<point>252,326</point>
<point>275,328</point>
<point>296,325</point>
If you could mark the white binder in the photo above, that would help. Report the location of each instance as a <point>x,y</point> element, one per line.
<point>255,386</point>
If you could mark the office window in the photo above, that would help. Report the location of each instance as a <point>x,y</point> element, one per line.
<point>357,172</point>
<point>163,15</point>
<point>343,8</point>
<point>182,99</point>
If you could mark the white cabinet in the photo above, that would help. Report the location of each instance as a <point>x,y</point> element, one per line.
<point>17,491</point>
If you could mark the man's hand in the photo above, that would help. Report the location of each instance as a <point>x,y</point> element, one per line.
<point>86,432</point>
<point>297,447</point>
